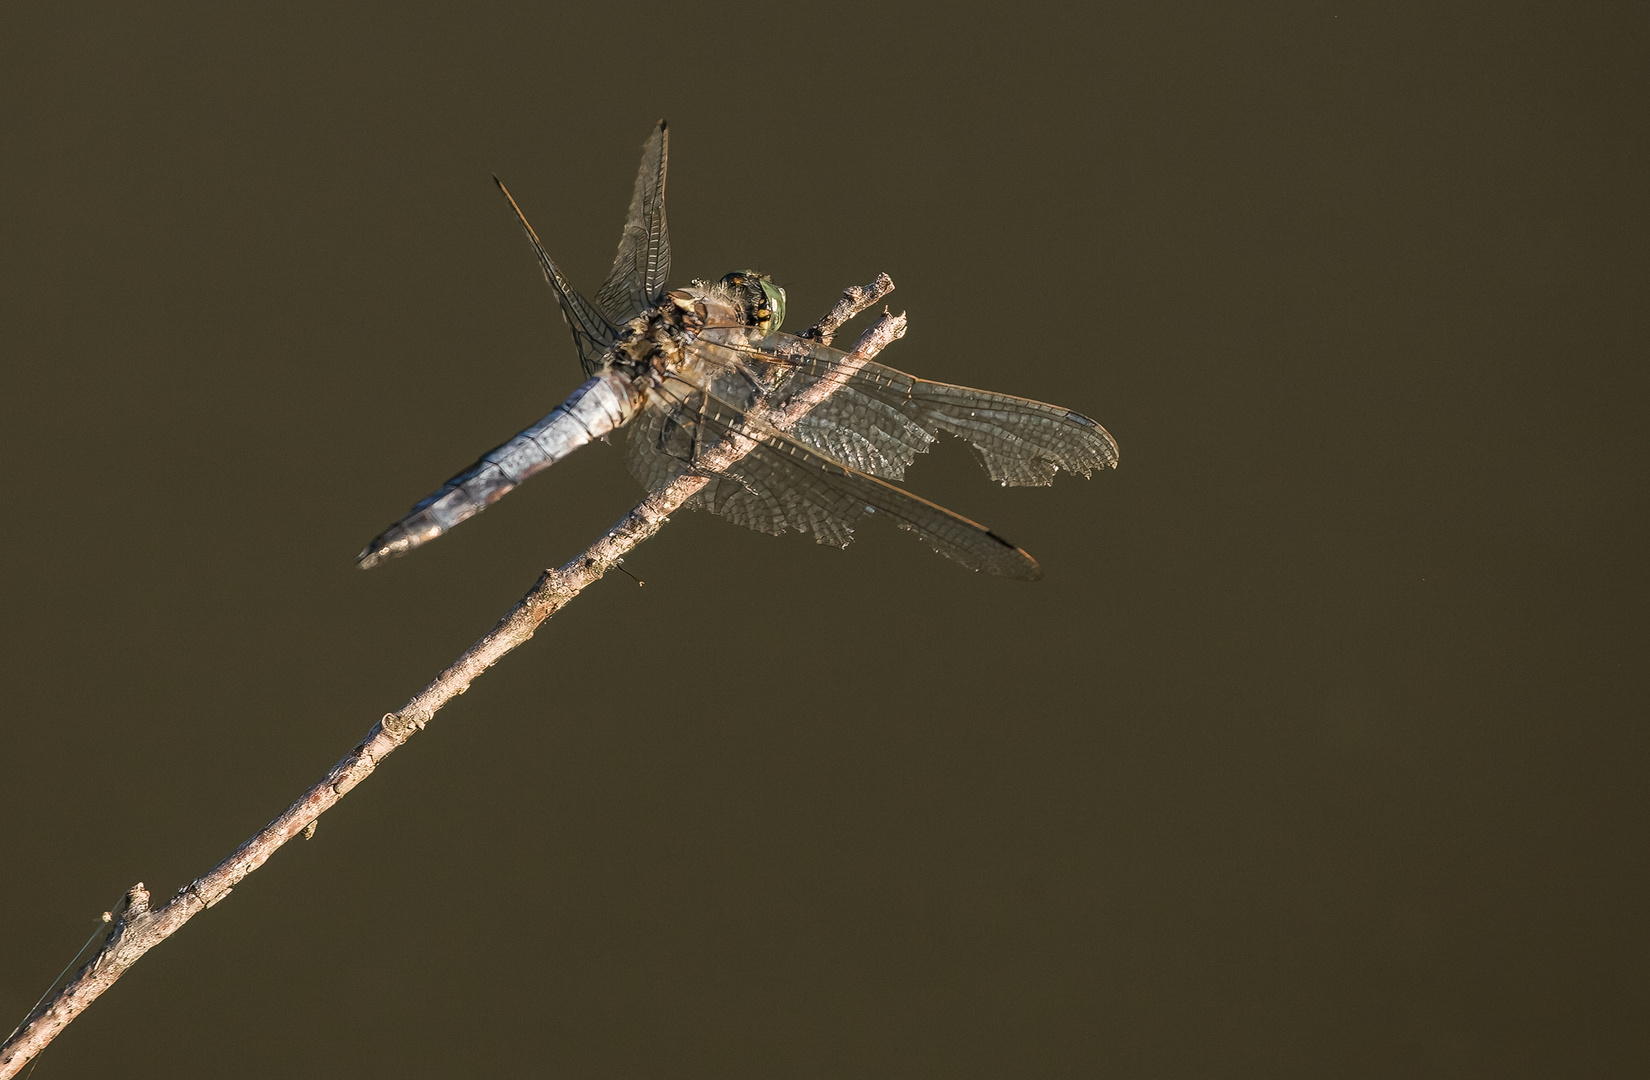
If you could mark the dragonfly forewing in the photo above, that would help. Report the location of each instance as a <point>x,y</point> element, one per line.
<point>1019,441</point>
<point>592,333</point>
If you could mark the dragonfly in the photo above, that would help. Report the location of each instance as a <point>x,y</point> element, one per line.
<point>685,369</point>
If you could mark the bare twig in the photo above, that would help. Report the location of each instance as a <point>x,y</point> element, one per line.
<point>855,299</point>
<point>137,929</point>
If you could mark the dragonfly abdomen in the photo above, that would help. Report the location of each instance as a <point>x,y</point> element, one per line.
<point>593,410</point>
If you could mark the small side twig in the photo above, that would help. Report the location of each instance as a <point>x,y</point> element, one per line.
<point>855,299</point>
<point>137,928</point>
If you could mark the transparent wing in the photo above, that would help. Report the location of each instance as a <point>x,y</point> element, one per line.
<point>854,429</point>
<point>642,264</point>
<point>781,484</point>
<point>592,333</point>
<point>887,416</point>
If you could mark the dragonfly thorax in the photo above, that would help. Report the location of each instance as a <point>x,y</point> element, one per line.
<point>653,345</point>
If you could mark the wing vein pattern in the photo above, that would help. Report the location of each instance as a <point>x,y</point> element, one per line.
<point>642,263</point>
<point>780,483</point>
<point>592,333</point>
<point>881,418</point>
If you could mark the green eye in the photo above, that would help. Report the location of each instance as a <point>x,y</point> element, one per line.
<point>776,303</point>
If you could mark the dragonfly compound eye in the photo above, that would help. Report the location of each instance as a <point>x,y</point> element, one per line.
<point>776,303</point>
<point>764,302</point>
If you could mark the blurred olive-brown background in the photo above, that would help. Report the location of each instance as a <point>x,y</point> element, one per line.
<point>1318,752</point>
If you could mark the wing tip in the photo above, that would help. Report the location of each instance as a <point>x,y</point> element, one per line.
<point>1023,566</point>
<point>1105,436</point>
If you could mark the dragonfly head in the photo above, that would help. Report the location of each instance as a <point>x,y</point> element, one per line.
<point>764,301</point>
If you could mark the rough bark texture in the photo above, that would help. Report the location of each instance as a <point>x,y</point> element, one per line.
<point>137,928</point>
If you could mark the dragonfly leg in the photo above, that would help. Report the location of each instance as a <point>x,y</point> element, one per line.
<point>667,436</point>
<point>760,388</point>
<point>698,435</point>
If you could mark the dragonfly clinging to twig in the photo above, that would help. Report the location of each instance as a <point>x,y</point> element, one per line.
<point>686,369</point>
